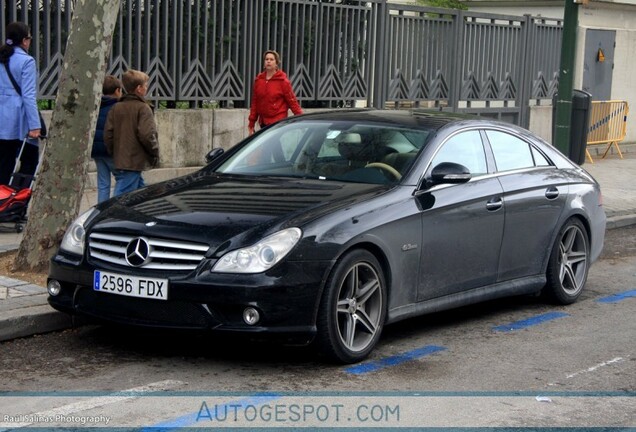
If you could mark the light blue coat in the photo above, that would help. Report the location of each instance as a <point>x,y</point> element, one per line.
<point>18,114</point>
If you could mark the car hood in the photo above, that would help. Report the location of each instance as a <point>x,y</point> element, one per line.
<point>228,210</point>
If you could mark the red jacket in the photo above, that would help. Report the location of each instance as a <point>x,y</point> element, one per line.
<point>271,99</point>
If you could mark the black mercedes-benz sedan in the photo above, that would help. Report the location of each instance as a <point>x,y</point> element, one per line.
<point>325,227</point>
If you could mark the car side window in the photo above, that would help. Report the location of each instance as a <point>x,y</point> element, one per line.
<point>510,152</point>
<point>465,148</point>
<point>539,159</point>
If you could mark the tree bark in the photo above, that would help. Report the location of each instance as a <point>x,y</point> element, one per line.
<point>60,183</point>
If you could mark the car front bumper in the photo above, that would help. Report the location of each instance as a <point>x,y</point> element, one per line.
<point>286,299</point>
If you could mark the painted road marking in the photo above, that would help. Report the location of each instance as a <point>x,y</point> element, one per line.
<point>114,397</point>
<point>394,360</point>
<point>615,298</point>
<point>539,319</point>
<point>593,368</point>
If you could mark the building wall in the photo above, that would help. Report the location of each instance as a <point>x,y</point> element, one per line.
<point>605,15</point>
<point>620,17</point>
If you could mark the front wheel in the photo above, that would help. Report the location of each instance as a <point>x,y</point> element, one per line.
<point>569,263</point>
<point>353,308</point>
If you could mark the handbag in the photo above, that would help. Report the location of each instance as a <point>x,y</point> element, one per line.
<point>19,90</point>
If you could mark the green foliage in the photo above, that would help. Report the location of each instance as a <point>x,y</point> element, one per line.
<point>46,104</point>
<point>446,4</point>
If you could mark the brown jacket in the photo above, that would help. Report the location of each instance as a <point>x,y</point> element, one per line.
<point>130,134</point>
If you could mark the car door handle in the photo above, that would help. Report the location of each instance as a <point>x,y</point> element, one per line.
<point>552,193</point>
<point>494,204</point>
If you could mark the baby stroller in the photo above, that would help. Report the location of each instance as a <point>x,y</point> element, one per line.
<point>15,197</point>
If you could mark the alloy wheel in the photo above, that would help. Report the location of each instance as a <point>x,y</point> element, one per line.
<point>359,307</point>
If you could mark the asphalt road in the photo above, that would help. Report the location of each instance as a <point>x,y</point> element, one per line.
<point>516,362</point>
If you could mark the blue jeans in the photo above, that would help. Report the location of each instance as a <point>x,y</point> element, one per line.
<point>105,166</point>
<point>127,181</point>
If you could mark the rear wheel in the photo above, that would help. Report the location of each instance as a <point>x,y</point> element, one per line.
<point>353,308</point>
<point>569,263</point>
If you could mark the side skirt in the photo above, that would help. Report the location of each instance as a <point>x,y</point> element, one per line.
<point>528,285</point>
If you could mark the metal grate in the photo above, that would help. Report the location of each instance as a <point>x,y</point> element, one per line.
<point>162,254</point>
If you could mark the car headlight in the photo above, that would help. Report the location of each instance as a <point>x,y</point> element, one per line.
<point>73,240</point>
<point>261,256</point>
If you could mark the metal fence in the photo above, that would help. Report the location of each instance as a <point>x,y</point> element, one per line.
<point>336,53</point>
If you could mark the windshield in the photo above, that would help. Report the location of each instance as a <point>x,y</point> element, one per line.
<point>343,151</point>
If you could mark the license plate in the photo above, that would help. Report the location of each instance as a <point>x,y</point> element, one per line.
<point>132,286</point>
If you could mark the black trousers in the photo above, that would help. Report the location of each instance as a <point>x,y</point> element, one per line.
<point>9,151</point>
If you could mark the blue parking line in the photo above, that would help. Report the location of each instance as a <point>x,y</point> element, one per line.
<point>518,325</point>
<point>394,360</point>
<point>615,298</point>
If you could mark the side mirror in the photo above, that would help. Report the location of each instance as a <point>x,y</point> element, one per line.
<point>213,154</point>
<point>449,172</point>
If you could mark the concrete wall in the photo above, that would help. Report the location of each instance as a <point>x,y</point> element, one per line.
<point>186,136</point>
<point>541,121</point>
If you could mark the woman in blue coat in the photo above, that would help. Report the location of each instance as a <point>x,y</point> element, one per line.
<point>18,113</point>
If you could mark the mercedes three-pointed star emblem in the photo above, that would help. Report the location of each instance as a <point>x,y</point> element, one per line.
<point>138,252</point>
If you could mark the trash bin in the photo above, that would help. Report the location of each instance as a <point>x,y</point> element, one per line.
<point>579,124</point>
<point>581,103</point>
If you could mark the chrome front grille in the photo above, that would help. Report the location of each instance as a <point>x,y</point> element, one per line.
<point>162,254</point>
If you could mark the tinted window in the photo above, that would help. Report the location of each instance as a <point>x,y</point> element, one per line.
<point>539,159</point>
<point>466,149</point>
<point>510,152</point>
<point>336,150</point>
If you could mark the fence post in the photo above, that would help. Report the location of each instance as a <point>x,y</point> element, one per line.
<point>525,78</point>
<point>380,64</point>
<point>457,63</point>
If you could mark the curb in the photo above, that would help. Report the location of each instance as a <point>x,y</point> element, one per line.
<point>32,320</point>
<point>620,221</point>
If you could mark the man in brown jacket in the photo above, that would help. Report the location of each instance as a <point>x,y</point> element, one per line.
<point>130,134</point>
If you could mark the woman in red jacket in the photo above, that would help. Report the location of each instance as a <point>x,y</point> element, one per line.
<point>273,95</point>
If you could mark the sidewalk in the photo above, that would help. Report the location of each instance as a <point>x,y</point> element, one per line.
<point>24,310</point>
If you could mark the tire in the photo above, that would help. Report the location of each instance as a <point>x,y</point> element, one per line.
<point>569,263</point>
<point>352,309</point>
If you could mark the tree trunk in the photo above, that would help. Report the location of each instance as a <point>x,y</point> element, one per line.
<point>60,183</point>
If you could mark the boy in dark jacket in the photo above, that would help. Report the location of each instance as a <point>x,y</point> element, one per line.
<point>130,134</point>
<point>111,92</point>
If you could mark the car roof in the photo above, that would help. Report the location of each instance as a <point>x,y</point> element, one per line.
<point>419,118</point>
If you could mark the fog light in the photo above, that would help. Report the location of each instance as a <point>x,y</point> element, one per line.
<point>53,287</point>
<point>251,316</point>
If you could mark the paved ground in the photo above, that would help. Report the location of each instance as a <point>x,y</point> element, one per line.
<point>24,311</point>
